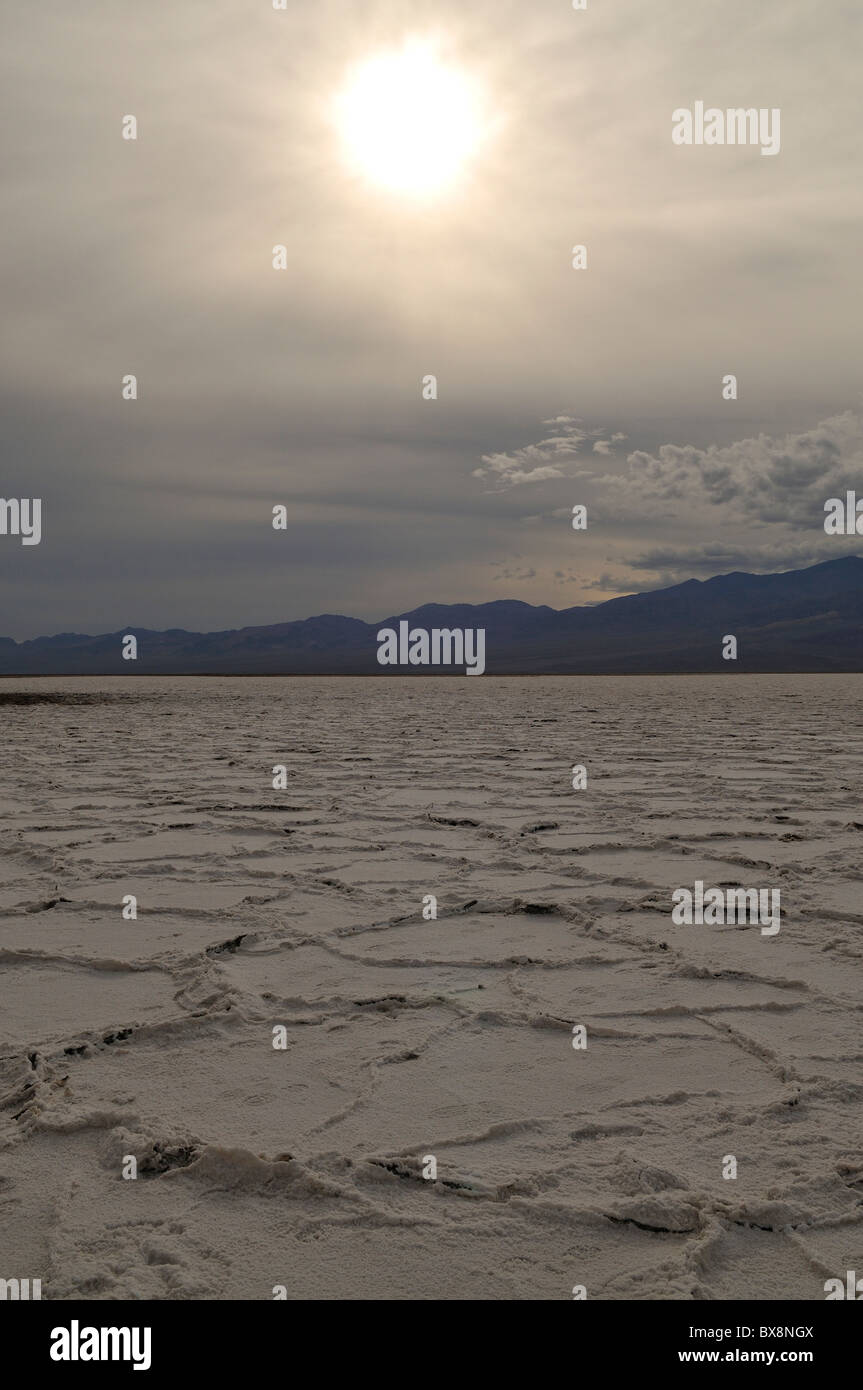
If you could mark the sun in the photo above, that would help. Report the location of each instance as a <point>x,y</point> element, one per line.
<point>408,122</point>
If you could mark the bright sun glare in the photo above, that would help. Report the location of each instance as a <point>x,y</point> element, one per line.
<point>409,123</point>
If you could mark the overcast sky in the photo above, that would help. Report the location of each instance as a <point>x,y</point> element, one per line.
<point>303,387</point>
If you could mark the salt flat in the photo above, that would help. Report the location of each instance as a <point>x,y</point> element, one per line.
<point>406,1037</point>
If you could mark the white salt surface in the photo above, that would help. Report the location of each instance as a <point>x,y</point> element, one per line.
<point>408,1037</point>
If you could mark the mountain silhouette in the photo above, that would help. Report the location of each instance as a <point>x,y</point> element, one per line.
<point>802,620</point>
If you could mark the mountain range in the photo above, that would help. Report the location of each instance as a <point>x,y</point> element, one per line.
<point>802,620</point>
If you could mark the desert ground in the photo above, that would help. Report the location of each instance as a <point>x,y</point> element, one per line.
<point>295,914</point>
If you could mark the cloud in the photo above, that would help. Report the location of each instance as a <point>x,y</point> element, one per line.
<point>665,566</point>
<point>510,572</point>
<point>767,479</point>
<point>606,446</point>
<point>537,463</point>
<point>617,585</point>
<point>722,559</point>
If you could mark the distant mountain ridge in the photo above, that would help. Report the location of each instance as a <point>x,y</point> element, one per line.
<point>801,620</point>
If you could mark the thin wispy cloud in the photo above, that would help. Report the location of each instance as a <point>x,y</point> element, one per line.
<point>549,458</point>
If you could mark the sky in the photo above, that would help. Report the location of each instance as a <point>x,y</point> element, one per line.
<point>302,387</point>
